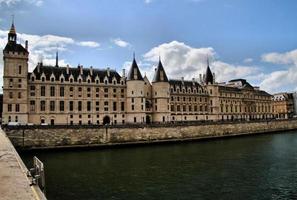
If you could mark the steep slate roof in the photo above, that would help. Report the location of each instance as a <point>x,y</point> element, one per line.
<point>187,84</point>
<point>14,47</point>
<point>208,76</point>
<point>160,70</point>
<point>134,72</point>
<point>75,72</point>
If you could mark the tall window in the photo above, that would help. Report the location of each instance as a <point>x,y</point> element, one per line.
<point>79,106</point>
<point>70,105</point>
<point>42,105</point>
<point>17,107</point>
<point>114,106</point>
<point>61,105</point>
<point>89,106</point>
<point>9,107</point>
<point>20,69</point>
<point>123,106</point>
<point>32,106</point>
<point>42,91</point>
<point>61,91</point>
<point>52,106</point>
<point>52,91</point>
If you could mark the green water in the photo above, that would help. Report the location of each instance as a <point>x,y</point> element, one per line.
<point>256,167</point>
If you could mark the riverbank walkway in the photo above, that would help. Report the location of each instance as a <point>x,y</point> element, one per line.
<point>14,183</point>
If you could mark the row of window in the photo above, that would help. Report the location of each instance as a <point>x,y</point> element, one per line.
<point>246,109</point>
<point>74,106</point>
<point>188,108</point>
<point>79,80</point>
<point>201,99</point>
<point>71,90</point>
<point>189,90</point>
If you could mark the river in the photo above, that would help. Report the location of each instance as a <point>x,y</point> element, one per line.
<point>254,167</point>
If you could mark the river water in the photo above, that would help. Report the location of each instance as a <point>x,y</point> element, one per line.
<point>255,167</point>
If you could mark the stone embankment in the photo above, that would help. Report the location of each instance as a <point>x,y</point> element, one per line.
<point>14,183</point>
<point>86,136</point>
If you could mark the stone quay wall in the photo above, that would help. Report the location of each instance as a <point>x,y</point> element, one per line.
<point>87,136</point>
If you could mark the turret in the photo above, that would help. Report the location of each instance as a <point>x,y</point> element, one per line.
<point>135,95</point>
<point>160,95</point>
<point>15,82</point>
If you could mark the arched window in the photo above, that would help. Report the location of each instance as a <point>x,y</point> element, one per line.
<point>52,79</point>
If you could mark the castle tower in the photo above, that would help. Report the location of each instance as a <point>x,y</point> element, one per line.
<point>208,75</point>
<point>15,84</point>
<point>135,95</point>
<point>160,95</point>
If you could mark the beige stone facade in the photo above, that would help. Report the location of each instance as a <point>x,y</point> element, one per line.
<point>78,95</point>
<point>283,105</point>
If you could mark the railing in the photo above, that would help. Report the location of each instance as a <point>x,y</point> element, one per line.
<point>141,125</point>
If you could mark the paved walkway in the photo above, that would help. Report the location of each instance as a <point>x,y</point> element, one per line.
<point>14,183</point>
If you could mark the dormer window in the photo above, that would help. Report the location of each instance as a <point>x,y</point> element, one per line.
<point>97,81</point>
<point>79,80</point>
<point>62,80</point>
<point>89,81</point>
<point>52,79</point>
<point>105,82</point>
<point>32,78</point>
<point>114,82</point>
<point>71,80</point>
<point>42,79</point>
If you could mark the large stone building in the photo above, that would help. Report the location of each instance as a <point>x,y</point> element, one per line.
<point>67,95</point>
<point>283,105</point>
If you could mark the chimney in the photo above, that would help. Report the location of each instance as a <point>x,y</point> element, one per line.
<point>91,70</point>
<point>81,70</point>
<point>214,77</point>
<point>26,45</point>
<point>67,69</point>
<point>108,72</point>
<point>124,73</point>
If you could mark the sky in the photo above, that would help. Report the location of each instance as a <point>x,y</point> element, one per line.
<point>251,39</point>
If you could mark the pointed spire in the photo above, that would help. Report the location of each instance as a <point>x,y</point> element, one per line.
<point>160,74</point>
<point>134,73</point>
<point>57,59</point>
<point>208,74</point>
<point>12,36</point>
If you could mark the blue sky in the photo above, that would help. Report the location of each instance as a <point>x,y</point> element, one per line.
<point>253,39</point>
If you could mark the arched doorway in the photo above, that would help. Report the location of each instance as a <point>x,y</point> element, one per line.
<point>148,119</point>
<point>106,120</point>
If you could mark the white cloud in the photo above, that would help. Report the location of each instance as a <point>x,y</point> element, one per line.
<point>89,44</point>
<point>121,43</point>
<point>248,60</point>
<point>14,2</point>
<point>181,60</point>
<point>281,58</point>
<point>278,80</point>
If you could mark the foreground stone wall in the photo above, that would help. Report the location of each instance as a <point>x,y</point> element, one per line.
<point>91,136</point>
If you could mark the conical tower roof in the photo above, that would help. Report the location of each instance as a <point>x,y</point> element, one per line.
<point>134,73</point>
<point>208,74</point>
<point>160,75</point>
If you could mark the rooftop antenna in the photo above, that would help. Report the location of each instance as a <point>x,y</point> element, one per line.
<point>57,57</point>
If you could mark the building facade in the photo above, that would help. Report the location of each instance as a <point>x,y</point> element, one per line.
<point>78,95</point>
<point>283,105</point>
